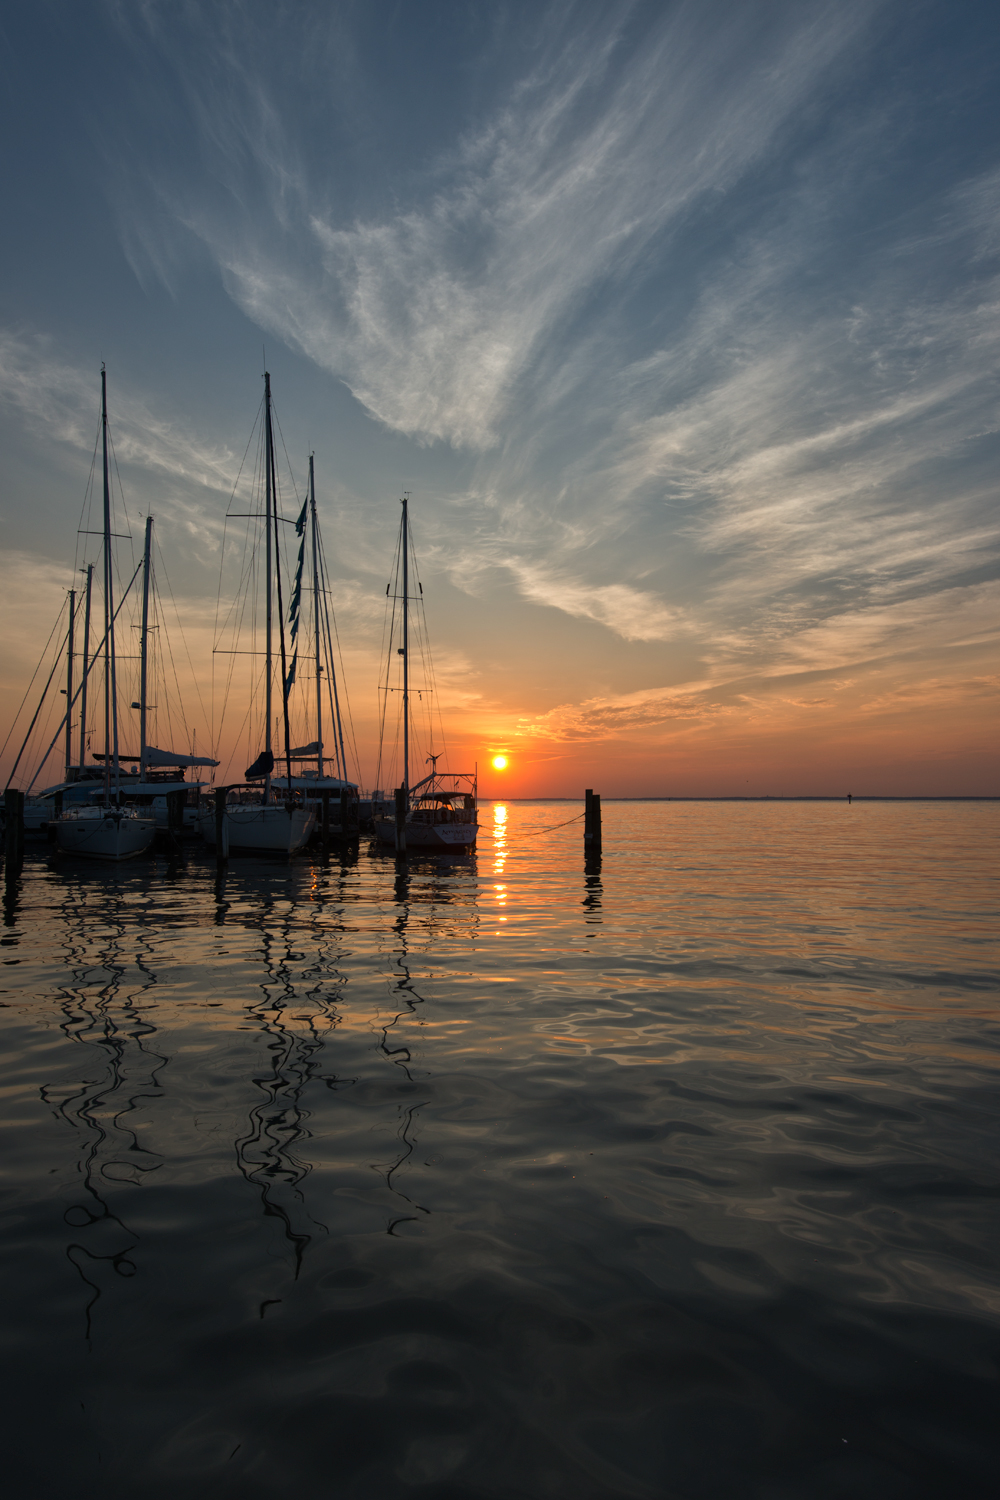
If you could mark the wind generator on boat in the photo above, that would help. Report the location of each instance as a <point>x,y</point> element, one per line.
<point>438,812</point>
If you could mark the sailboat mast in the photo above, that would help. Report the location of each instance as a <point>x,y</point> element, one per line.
<point>273,477</point>
<point>144,648</point>
<point>268,443</point>
<point>319,664</point>
<point>69,681</point>
<point>406,650</point>
<point>110,683</point>
<point>86,664</point>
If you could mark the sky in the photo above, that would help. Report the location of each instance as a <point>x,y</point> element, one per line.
<point>678,322</point>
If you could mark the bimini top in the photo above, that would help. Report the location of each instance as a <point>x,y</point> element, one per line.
<point>314,783</point>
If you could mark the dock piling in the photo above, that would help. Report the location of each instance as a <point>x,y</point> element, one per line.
<point>592,822</point>
<point>175,812</point>
<point>401,820</point>
<point>13,831</point>
<point>172,834</point>
<point>221,825</point>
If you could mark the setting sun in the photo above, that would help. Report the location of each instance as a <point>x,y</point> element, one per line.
<point>499,762</point>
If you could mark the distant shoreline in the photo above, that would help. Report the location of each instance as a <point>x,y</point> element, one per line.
<point>859,797</point>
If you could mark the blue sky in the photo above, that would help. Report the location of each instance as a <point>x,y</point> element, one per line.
<point>679,323</point>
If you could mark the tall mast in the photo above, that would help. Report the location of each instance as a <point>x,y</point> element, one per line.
<point>86,663</point>
<point>110,683</point>
<point>281,607</point>
<point>406,651</point>
<point>144,648</point>
<point>268,443</point>
<point>69,682</point>
<point>319,665</point>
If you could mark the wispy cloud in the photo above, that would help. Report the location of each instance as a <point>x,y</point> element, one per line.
<point>34,591</point>
<point>874,657</point>
<point>687,421</point>
<point>440,315</point>
<point>778,469</point>
<point>63,401</point>
<point>631,613</point>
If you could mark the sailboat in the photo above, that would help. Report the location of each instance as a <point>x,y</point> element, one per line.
<point>259,818</point>
<point>156,786</point>
<point>439,812</point>
<point>108,829</point>
<point>323,785</point>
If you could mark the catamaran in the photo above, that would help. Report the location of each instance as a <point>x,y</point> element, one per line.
<point>438,812</point>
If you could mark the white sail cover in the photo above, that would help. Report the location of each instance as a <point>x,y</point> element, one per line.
<point>171,758</point>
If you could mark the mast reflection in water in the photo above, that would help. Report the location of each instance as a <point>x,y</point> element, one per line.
<point>670,1172</point>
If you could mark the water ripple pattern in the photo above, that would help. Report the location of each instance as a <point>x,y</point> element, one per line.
<point>672,1173</point>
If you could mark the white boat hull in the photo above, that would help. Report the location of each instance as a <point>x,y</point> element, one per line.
<point>37,816</point>
<point>436,836</point>
<point>261,830</point>
<point>104,833</point>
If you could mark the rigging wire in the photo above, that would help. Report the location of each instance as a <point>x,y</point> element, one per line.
<point>427,661</point>
<point>288,461</point>
<point>128,524</point>
<point>216,739</point>
<point>180,627</point>
<point>31,726</point>
<point>245,599</point>
<point>87,502</point>
<point>34,674</point>
<point>332,615</point>
<point>388,624</point>
<point>246,591</point>
<point>76,695</point>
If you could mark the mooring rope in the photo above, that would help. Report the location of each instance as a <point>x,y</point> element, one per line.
<point>554,826</point>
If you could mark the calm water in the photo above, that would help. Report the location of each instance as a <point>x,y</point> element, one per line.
<point>505,1177</point>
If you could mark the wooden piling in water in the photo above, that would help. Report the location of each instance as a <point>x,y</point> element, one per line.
<point>324,798</point>
<point>401,820</point>
<point>171,836</point>
<point>13,830</point>
<point>175,812</point>
<point>591,822</point>
<point>221,825</point>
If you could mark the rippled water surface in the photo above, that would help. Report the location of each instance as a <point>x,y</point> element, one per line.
<point>509,1176</point>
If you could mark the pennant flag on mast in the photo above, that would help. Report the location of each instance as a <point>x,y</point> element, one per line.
<point>295,602</point>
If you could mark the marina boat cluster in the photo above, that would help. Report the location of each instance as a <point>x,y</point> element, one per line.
<point>112,803</point>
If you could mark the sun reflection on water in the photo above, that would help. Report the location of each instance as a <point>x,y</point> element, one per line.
<point>500,853</point>
<point>499,838</point>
